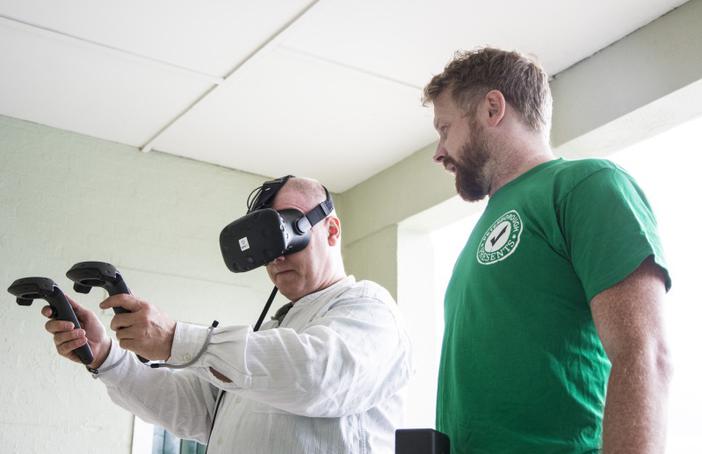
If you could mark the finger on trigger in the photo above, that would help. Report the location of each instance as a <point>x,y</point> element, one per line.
<point>123,300</point>
<point>46,311</point>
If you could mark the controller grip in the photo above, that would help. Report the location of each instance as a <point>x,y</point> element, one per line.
<point>121,310</point>
<point>117,286</point>
<point>62,310</point>
<point>85,354</point>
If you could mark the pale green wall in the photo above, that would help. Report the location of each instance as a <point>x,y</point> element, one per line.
<point>367,257</point>
<point>647,82</point>
<point>644,67</point>
<point>66,198</point>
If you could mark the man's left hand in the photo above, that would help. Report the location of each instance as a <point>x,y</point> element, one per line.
<point>145,330</point>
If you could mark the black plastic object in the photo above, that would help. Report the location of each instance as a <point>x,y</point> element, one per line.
<point>86,275</point>
<point>30,288</point>
<point>264,234</point>
<point>421,441</point>
<point>261,237</point>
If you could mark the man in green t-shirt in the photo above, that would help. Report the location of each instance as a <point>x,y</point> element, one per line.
<point>553,316</point>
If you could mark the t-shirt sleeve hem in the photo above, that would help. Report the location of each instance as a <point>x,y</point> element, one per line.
<point>625,271</point>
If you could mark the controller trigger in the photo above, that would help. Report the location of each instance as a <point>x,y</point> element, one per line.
<point>80,288</point>
<point>86,275</point>
<point>25,301</point>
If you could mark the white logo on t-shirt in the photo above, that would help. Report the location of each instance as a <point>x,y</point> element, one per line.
<point>501,239</point>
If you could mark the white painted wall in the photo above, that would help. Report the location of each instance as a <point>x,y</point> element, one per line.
<point>428,246</point>
<point>65,198</point>
<point>416,298</point>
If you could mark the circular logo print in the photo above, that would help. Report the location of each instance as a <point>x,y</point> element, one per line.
<point>501,239</point>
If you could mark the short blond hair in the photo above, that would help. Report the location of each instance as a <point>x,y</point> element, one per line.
<point>520,79</point>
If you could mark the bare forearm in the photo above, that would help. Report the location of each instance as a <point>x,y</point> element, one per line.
<point>635,411</point>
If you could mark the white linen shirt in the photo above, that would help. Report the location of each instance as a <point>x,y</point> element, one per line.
<point>328,380</point>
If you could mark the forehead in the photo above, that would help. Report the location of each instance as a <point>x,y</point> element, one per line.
<point>287,198</point>
<point>445,108</point>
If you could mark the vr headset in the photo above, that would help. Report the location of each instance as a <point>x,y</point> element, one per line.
<point>264,234</point>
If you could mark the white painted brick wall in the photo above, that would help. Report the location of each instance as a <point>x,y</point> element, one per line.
<point>66,198</point>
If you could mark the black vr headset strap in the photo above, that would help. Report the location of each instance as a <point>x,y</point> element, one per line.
<point>263,196</point>
<point>315,215</point>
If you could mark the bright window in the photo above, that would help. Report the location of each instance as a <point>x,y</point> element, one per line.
<point>666,167</point>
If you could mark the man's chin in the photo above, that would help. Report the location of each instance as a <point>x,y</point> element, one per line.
<point>288,283</point>
<point>469,194</point>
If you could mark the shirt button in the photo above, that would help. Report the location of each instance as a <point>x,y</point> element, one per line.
<point>187,357</point>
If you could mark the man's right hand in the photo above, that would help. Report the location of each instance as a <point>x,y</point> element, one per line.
<point>67,338</point>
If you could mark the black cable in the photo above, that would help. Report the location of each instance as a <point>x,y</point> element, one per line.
<point>265,309</point>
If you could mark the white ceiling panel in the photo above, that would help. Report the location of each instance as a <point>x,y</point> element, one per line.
<point>411,41</point>
<point>287,113</point>
<point>210,36</point>
<point>79,88</point>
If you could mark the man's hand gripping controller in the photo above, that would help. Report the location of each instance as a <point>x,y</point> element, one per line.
<point>30,288</point>
<point>87,275</point>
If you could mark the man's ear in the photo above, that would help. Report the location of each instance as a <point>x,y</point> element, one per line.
<point>333,230</point>
<point>496,106</point>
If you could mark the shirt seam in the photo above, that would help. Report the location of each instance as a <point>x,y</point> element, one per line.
<point>571,190</point>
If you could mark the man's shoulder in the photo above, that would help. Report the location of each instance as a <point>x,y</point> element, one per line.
<point>578,169</point>
<point>568,175</point>
<point>369,290</point>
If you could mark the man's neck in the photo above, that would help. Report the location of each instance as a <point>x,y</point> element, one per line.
<point>516,159</point>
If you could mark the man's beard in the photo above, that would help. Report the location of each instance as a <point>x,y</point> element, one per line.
<point>472,181</point>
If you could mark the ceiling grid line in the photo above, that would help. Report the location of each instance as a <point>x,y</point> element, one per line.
<point>52,32</point>
<point>148,146</point>
<point>357,69</point>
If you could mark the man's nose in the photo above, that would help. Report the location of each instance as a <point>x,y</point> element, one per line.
<point>278,259</point>
<point>439,153</point>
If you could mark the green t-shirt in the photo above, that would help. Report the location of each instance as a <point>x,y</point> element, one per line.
<point>522,367</point>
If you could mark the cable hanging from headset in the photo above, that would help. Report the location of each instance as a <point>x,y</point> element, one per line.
<point>265,308</point>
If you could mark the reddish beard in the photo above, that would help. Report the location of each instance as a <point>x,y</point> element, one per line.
<point>472,181</point>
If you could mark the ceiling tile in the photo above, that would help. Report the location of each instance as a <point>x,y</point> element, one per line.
<point>211,36</point>
<point>77,87</point>
<point>411,41</point>
<point>286,113</point>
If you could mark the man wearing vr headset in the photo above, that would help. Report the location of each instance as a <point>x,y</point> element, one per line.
<point>324,376</point>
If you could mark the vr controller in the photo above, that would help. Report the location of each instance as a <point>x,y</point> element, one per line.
<point>86,275</point>
<point>30,288</point>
